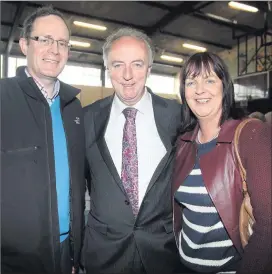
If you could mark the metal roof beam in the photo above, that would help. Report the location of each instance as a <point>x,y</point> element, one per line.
<point>90,17</point>
<point>18,13</point>
<point>181,9</point>
<point>166,52</point>
<point>244,28</point>
<point>72,35</point>
<point>86,52</point>
<point>261,5</point>
<point>87,37</point>
<point>156,4</point>
<point>218,45</point>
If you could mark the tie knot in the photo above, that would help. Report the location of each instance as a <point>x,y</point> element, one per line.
<point>130,113</point>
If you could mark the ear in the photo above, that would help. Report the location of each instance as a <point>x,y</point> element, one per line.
<point>23,45</point>
<point>69,52</point>
<point>107,71</point>
<point>149,71</point>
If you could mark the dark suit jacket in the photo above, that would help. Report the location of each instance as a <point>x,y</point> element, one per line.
<point>114,239</point>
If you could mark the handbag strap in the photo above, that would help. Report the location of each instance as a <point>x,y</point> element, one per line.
<point>236,149</point>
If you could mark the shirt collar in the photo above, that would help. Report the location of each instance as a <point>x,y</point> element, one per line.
<point>42,89</point>
<point>144,106</point>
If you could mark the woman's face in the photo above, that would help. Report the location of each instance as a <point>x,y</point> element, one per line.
<point>204,95</point>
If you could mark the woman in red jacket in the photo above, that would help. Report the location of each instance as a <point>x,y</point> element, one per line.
<point>207,188</point>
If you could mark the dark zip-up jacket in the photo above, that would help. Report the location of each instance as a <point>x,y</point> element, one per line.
<point>30,240</point>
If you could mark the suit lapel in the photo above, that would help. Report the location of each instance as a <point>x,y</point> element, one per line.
<point>161,115</point>
<point>101,123</point>
<point>162,119</point>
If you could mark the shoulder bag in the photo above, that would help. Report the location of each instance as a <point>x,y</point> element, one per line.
<point>246,219</point>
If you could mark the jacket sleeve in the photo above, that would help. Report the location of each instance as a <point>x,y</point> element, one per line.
<point>255,146</point>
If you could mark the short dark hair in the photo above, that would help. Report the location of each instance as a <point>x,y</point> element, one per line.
<point>40,12</point>
<point>205,62</point>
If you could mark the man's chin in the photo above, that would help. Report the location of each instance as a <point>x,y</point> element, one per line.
<point>51,76</point>
<point>129,101</point>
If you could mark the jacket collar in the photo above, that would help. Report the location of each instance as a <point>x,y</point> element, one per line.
<point>106,105</point>
<point>67,93</point>
<point>226,133</point>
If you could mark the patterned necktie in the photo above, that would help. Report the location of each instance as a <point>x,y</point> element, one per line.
<point>129,174</point>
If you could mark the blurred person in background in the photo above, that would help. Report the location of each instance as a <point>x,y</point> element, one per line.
<point>257,115</point>
<point>268,117</point>
<point>207,186</point>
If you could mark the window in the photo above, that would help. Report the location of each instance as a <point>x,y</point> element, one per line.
<point>107,80</point>
<point>13,64</point>
<point>1,68</point>
<point>71,74</point>
<point>252,86</point>
<point>77,75</point>
<point>161,84</point>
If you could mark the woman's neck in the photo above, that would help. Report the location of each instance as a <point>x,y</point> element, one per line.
<point>208,130</point>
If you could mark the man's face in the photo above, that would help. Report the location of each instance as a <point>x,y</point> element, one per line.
<point>46,61</point>
<point>128,67</point>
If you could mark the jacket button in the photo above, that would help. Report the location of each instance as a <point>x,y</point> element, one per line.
<point>126,202</point>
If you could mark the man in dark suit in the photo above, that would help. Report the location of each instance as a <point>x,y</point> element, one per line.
<point>129,143</point>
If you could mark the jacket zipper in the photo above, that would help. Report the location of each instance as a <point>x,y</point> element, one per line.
<point>50,194</point>
<point>70,188</point>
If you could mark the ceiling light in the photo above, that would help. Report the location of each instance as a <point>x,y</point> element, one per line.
<point>221,18</point>
<point>90,26</point>
<point>194,47</point>
<point>80,44</point>
<point>244,7</point>
<point>171,58</point>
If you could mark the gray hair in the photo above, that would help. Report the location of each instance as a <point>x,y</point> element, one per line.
<point>40,12</point>
<point>128,32</point>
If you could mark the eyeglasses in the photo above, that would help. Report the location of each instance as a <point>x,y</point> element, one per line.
<point>48,41</point>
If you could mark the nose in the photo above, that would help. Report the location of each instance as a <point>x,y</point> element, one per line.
<point>199,88</point>
<point>127,74</point>
<point>54,48</point>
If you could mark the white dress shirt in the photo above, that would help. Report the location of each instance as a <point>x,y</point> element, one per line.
<point>150,148</point>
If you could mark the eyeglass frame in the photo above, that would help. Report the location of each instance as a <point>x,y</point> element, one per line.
<point>36,38</point>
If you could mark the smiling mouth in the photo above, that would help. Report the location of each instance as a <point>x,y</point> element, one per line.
<point>51,61</point>
<point>203,101</point>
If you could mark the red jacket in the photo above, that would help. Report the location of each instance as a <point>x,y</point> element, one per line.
<point>221,177</point>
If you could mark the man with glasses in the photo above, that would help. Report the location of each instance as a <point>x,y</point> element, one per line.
<point>42,155</point>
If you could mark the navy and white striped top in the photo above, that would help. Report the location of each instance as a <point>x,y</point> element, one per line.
<point>204,244</point>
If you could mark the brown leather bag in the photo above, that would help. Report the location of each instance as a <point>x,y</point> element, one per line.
<point>246,219</point>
